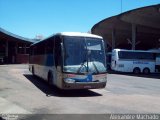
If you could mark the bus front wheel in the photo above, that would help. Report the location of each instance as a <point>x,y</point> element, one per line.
<point>136,70</point>
<point>146,71</point>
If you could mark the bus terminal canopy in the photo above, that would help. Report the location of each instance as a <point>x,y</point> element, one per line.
<point>5,35</point>
<point>13,48</point>
<point>135,29</point>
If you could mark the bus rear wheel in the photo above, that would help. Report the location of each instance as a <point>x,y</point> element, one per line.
<point>50,78</point>
<point>146,71</point>
<point>33,71</point>
<point>136,70</point>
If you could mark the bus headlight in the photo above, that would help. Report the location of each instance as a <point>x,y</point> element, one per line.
<point>69,80</point>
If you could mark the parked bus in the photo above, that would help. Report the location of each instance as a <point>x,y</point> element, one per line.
<point>70,61</point>
<point>136,61</point>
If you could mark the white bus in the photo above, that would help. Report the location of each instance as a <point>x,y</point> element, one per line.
<point>70,60</point>
<point>136,61</point>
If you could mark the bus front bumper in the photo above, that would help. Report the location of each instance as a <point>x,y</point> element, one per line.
<point>84,85</point>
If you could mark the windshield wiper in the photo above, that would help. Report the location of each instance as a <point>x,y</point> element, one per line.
<point>95,66</point>
<point>82,64</point>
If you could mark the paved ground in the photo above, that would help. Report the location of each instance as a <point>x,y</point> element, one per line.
<point>22,93</point>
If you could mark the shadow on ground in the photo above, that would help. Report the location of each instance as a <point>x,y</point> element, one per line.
<point>151,75</point>
<point>54,91</point>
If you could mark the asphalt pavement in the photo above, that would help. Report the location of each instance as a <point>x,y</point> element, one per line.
<point>21,93</point>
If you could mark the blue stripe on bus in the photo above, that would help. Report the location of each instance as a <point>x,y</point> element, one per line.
<point>49,60</point>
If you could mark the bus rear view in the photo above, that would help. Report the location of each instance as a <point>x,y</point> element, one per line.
<point>78,62</point>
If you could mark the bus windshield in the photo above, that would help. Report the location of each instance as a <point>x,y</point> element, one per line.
<point>83,55</point>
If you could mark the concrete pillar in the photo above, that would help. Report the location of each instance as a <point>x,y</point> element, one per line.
<point>6,52</point>
<point>6,49</point>
<point>133,36</point>
<point>25,49</point>
<point>113,39</point>
<point>16,48</point>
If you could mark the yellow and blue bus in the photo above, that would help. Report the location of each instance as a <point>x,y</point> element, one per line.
<point>70,60</point>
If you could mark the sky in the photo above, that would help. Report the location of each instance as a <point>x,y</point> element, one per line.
<point>29,18</point>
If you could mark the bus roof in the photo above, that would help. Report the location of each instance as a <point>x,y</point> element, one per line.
<point>74,34</point>
<point>78,34</point>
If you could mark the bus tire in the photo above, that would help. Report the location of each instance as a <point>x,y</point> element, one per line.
<point>33,73</point>
<point>136,70</point>
<point>50,78</point>
<point>146,71</point>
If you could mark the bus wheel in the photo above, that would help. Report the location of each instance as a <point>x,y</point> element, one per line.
<point>33,71</point>
<point>146,71</point>
<point>50,78</point>
<point>136,70</point>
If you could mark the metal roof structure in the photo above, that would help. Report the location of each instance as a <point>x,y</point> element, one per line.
<point>147,28</point>
<point>13,48</point>
<point>10,36</point>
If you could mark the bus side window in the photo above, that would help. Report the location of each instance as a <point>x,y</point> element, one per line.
<point>57,51</point>
<point>50,46</point>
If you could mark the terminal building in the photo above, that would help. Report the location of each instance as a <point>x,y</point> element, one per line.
<point>13,48</point>
<point>137,29</point>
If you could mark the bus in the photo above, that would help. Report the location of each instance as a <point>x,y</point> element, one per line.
<point>70,60</point>
<point>136,61</point>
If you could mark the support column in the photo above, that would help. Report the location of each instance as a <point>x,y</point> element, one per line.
<point>6,52</point>
<point>133,36</point>
<point>25,49</point>
<point>16,52</point>
<point>16,48</point>
<point>113,39</point>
